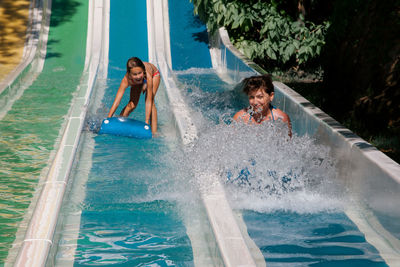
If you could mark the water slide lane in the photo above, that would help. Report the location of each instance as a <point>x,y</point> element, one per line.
<point>192,66</point>
<point>188,29</point>
<point>189,34</point>
<point>127,216</point>
<point>30,129</point>
<point>212,97</point>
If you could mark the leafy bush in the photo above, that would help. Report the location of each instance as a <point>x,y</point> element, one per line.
<point>263,32</point>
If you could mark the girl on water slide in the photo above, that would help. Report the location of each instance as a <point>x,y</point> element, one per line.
<point>260,92</point>
<point>142,77</point>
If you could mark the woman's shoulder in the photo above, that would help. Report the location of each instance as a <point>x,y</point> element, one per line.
<point>241,115</point>
<point>279,114</point>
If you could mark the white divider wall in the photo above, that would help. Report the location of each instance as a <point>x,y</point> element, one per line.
<point>231,244</point>
<point>39,236</point>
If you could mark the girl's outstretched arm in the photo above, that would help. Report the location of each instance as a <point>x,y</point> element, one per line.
<point>149,98</point>
<point>118,97</point>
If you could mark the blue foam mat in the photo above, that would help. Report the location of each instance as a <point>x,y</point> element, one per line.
<point>125,127</point>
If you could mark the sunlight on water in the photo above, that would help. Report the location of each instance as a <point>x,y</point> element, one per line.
<point>146,236</point>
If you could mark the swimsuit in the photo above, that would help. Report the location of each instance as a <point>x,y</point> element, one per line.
<point>154,74</point>
<point>271,107</point>
<point>145,81</point>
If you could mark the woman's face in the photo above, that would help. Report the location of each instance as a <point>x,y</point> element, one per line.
<point>136,74</point>
<point>260,100</point>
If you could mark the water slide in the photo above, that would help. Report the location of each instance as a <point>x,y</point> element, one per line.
<point>115,205</point>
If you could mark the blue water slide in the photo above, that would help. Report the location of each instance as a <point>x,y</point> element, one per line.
<point>189,37</point>
<point>121,209</point>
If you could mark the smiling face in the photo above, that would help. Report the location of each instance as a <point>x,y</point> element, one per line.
<point>260,100</point>
<point>136,74</point>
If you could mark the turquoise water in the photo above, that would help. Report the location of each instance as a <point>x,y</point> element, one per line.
<point>313,239</point>
<point>128,219</point>
<point>189,38</point>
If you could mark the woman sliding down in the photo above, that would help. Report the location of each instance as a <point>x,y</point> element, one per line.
<point>260,92</point>
<point>142,77</point>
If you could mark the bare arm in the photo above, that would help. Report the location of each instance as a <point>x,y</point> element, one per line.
<point>149,98</point>
<point>285,118</point>
<point>118,97</point>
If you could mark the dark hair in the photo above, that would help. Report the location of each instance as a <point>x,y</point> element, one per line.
<point>135,62</point>
<point>258,82</point>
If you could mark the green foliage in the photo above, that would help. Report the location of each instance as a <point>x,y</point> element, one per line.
<point>263,32</point>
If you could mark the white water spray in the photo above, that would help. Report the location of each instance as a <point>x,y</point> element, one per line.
<point>265,170</point>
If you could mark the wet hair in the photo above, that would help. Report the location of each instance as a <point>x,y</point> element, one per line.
<point>135,62</point>
<point>254,83</point>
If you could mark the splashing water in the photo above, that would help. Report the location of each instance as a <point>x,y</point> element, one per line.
<point>94,119</point>
<point>261,167</point>
<point>265,170</point>
<point>93,124</point>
